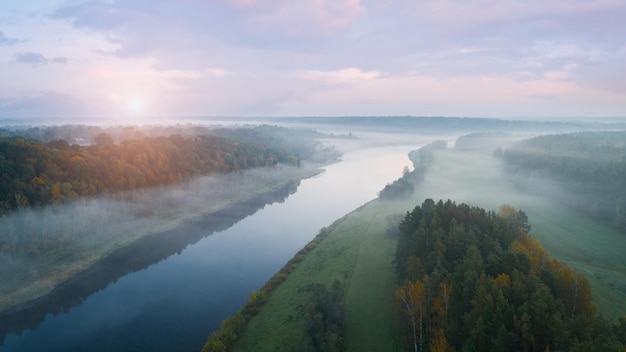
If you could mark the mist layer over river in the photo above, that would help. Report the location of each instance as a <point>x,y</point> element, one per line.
<point>173,305</point>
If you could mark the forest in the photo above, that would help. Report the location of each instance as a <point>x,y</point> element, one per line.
<point>590,168</point>
<point>474,280</point>
<point>34,173</point>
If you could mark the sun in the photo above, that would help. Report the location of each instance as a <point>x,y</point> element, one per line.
<point>135,106</point>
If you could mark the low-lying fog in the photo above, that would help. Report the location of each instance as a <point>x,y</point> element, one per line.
<point>478,178</point>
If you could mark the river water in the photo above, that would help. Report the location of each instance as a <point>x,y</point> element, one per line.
<point>174,304</point>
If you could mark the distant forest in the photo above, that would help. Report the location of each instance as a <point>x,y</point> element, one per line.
<point>589,166</point>
<point>437,124</point>
<point>35,173</point>
<point>474,280</point>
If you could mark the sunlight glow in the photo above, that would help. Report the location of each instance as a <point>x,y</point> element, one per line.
<point>135,106</point>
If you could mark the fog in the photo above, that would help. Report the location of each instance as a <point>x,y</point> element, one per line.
<point>151,208</point>
<point>105,222</point>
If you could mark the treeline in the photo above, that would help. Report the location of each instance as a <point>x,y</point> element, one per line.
<point>589,166</point>
<point>435,124</point>
<point>34,174</point>
<point>285,142</point>
<point>474,280</point>
<point>86,134</point>
<point>485,140</point>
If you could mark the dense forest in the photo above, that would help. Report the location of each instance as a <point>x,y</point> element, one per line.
<point>474,280</point>
<point>590,168</point>
<point>33,173</point>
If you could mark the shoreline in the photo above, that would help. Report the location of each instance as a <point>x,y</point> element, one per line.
<point>146,249</point>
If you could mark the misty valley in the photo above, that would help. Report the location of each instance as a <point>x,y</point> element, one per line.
<point>314,234</point>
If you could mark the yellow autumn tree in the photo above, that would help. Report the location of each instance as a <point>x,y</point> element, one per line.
<point>439,342</point>
<point>533,250</point>
<point>440,306</point>
<point>573,289</point>
<point>411,297</point>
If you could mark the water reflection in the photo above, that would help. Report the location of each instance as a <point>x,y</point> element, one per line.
<point>137,256</point>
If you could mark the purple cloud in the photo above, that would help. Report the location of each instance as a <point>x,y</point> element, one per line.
<point>4,40</point>
<point>59,60</point>
<point>37,59</point>
<point>93,14</point>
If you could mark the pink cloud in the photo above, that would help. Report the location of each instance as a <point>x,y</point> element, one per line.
<point>338,13</point>
<point>303,18</point>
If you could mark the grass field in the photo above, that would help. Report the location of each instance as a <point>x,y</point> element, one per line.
<point>591,248</point>
<point>359,254</point>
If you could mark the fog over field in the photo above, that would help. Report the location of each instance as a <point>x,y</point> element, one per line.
<point>141,209</point>
<point>477,177</point>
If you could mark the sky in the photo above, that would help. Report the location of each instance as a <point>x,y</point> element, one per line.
<point>137,59</point>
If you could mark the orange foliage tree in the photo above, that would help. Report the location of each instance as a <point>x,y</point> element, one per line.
<point>411,297</point>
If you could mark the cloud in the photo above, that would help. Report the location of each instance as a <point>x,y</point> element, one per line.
<point>602,74</point>
<point>30,58</point>
<point>58,60</point>
<point>101,15</point>
<point>480,96</point>
<point>41,104</point>
<point>514,31</point>
<point>550,50</point>
<point>207,26</point>
<point>231,93</point>
<point>309,17</point>
<point>564,74</point>
<point>347,75</point>
<point>251,57</point>
<point>4,40</point>
<point>37,59</point>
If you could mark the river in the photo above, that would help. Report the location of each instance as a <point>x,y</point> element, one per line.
<point>174,304</point>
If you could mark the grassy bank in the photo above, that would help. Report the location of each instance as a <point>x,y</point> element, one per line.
<point>358,253</point>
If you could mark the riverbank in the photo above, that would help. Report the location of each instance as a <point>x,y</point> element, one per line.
<point>356,253</point>
<point>28,281</point>
<point>353,255</point>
